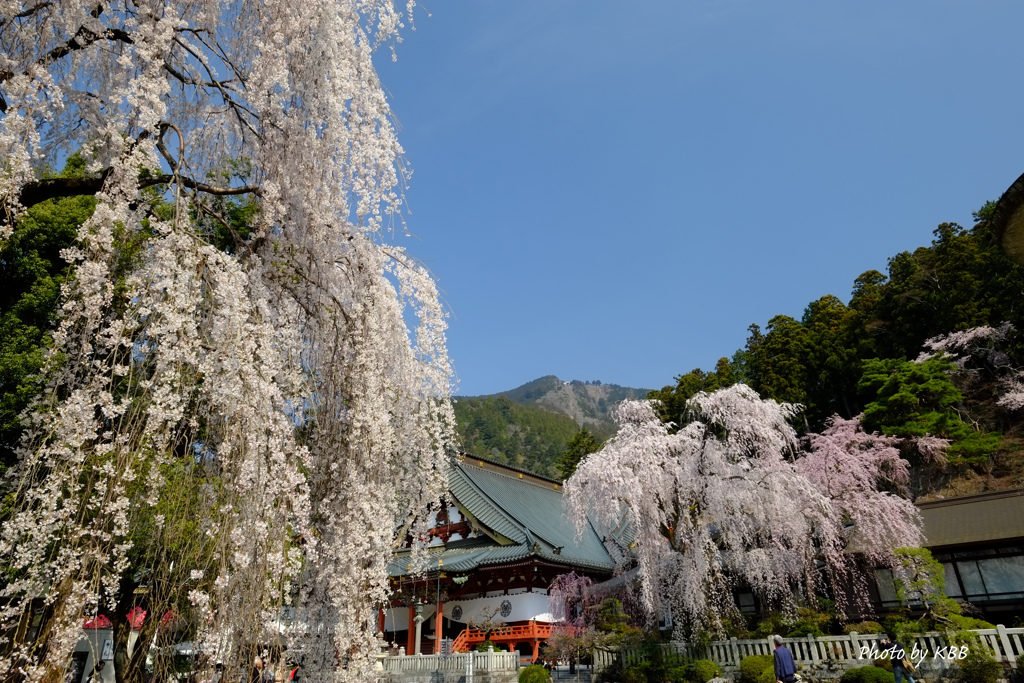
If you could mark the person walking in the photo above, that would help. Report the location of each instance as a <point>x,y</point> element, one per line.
<point>97,673</point>
<point>900,659</point>
<point>785,667</point>
<point>258,675</point>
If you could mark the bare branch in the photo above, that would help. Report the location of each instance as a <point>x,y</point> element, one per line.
<point>203,187</point>
<point>237,107</point>
<point>54,188</point>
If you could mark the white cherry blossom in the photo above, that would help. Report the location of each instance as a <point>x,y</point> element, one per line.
<point>268,391</point>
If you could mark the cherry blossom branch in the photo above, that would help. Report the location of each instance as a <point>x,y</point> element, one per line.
<point>55,188</point>
<point>27,12</point>
<point>237,107</point>
<point>82,39</point>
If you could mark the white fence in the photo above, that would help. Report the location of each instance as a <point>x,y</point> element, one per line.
<point>1005,644</point>
<point>477,661</point>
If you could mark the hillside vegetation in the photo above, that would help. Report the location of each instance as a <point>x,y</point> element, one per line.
<point>520,435</point>
<point>531,425</point>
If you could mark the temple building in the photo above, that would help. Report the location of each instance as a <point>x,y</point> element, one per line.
<point>495,547</point>
<point>979,539</point>
<point>503,536</point>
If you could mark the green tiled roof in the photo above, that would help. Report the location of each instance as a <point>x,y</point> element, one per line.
<point>463,559</point>
<point>521,517</point>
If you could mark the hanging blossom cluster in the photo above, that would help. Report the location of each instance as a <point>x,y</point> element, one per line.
<point>853,469</point>
<point>985,346</point>
<point>577,603</point>
<point>983,342</point>
<point>235,422</point>
<point>715,505</point>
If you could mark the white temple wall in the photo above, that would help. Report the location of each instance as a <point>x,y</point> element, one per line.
<point>397,618</point>
<point>520,607</point>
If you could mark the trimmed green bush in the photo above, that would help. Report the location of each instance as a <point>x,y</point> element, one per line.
<point>966,623</point>
<point>752,668</point>
<point>704,670</point>
<point>699,671</point>
<point>482,647</point>
<point>535,673</point>
<point>867,674</point>
<point>634,674</point>
<point>864,627</point>
<point>980,667</point>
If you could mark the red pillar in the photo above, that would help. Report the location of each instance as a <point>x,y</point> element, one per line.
<point>536,650</point>
<point>380,621</point>
<point>438,625</point>
<point>410,646</point>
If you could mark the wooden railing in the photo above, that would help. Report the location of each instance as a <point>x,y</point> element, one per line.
<point>1004,644</point>
<point>503,634</point>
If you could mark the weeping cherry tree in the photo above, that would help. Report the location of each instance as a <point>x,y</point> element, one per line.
<point>236,417</point>
<point>717,505</point>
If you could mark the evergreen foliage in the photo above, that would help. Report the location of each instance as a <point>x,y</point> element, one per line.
<point>673,400</point>
<point>32,272</point>
<point>915,399</point>
<point>921,579</point>
<point>580,446</point>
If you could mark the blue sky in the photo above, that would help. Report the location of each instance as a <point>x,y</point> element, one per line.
<point>615,191</point>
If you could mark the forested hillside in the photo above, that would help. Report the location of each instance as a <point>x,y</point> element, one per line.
<point>519,435</point>
<point>931,348</point>
<point>531,425</point>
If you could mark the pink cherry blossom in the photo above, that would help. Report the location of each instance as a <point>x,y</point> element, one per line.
<point>863,475</point>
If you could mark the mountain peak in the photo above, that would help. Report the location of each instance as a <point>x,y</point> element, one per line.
<point>529,426</point>
<point>588,403</point>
